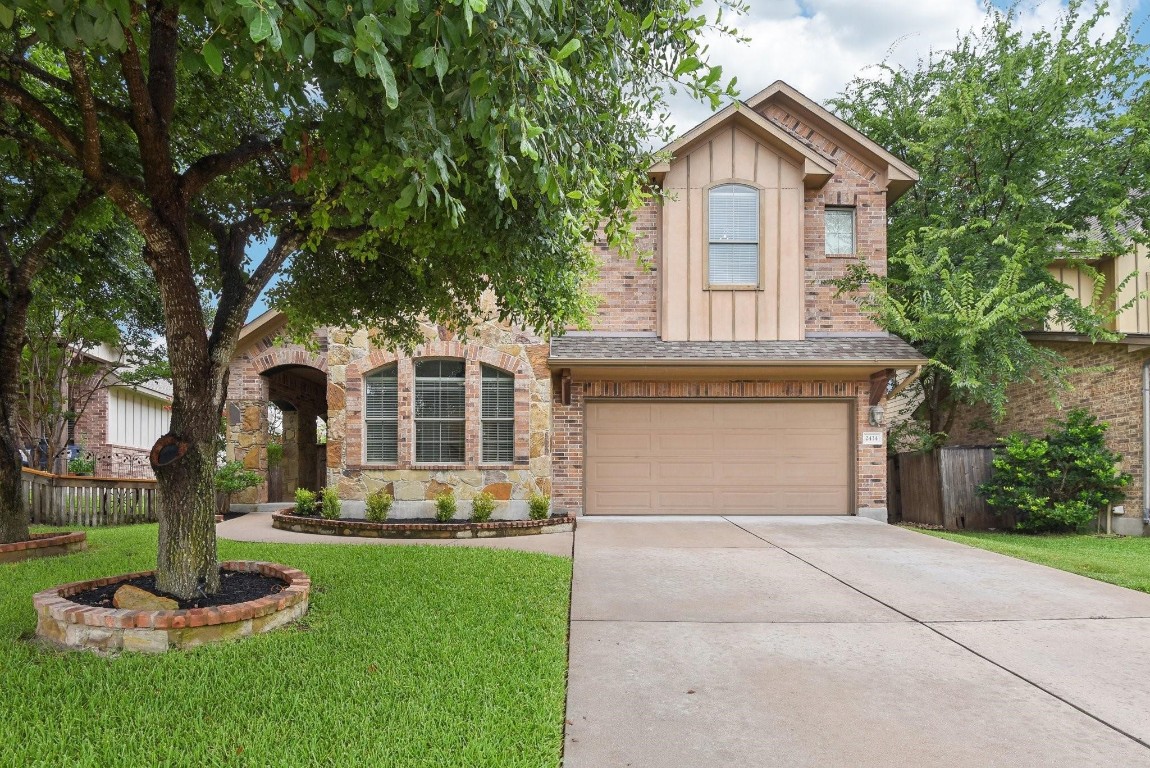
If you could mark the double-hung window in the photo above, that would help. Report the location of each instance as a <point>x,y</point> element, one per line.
<point>840,231</point>
<point>381,417</point>
<point>498,417</point>
<point>440,412</point>
<point>733,236</point>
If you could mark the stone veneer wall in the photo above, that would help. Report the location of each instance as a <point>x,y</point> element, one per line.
<point>567,425</point>
<point>1113,394</point>
<point>855,185</point>
<point>347,358</point>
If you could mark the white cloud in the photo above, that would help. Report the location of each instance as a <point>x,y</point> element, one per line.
<point>819,45</point>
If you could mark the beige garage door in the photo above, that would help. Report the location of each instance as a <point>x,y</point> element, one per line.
<point>735,458</point>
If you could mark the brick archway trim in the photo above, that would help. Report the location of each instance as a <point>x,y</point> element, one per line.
<point>280,356</point>
<point>494,357</point>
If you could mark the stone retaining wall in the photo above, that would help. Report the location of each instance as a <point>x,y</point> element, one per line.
<point>398,530</point>
<point>73,626</point>
<point>43,545</point>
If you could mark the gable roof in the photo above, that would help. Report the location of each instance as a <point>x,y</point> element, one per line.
<point>817,167</point>
<point>900,176</point>
<point>270,321</point>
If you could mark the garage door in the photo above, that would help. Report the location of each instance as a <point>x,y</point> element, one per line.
<point>734,458</point>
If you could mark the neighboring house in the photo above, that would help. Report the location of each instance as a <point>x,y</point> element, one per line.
<point>1113,383</point>
<point>728,377</point>
<point>121,423</point>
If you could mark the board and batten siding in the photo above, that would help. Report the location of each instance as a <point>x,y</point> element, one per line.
<point>136,420</point>
<point>1133,268</point>
<point>692,311</point>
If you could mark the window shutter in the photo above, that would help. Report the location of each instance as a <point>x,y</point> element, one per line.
<point>733,235</point>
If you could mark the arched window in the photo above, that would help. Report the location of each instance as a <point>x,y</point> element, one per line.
<point>440,412</point>
<point>497,417</point>
<point>381,417</point>
<point>733,235</point>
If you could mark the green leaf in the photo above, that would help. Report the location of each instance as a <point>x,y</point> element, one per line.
<point>647,22</point>
<point>309,45</point>
<point>424,57</point>
<point>572,45</point>
<point>385,73</point>
<point>116,35</point>
<point>342,56</point>
<point>213,58</point>
<point>7,16</point>
<point>440,64</point>
<point>261,27</point>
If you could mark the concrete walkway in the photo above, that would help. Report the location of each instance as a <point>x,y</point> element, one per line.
<point>843,642</point>
<point>256,525</point>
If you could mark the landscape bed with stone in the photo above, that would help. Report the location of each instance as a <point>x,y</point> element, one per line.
<point>435,656</point>
<point>44,545</point>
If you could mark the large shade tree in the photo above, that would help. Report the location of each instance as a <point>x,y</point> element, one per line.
<point>1032,148</point>
<point>409,154</point>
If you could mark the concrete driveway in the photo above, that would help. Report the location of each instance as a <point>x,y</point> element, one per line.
<point>843,642</point>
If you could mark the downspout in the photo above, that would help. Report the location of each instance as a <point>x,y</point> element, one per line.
<point>1146,443</point>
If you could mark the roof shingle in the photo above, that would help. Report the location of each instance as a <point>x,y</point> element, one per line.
<point>576,348</point>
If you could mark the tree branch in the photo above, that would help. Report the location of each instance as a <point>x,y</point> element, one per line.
<point>210,167</point>
<point>60,84</point>
<point>93,168</point>
<point>39,112</point>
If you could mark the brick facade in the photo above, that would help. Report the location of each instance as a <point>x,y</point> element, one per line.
<point>1109,387</point>
<point>627,288</point>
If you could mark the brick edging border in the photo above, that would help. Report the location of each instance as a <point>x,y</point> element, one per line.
<point>67,624</point>
<point>43,545</point>
<point>401,530</point>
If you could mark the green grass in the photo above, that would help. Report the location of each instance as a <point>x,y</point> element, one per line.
<point>1123,561</point>
<point>409,656</point>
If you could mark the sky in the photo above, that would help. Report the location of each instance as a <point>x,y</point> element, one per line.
<point>817,46</point>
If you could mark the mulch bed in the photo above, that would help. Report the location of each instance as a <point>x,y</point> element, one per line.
<point>410,520</point>
<point>235,587</point>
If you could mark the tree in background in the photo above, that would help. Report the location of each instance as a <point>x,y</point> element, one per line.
<point>89,326</point>
<point>1031,149</point>
<point>409,155</point>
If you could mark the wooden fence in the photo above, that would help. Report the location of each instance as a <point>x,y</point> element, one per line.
<point>88,501</point>
<point>941,488</point>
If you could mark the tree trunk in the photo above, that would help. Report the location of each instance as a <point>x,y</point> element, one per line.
<point>186,563</point>
<point>13,516</point>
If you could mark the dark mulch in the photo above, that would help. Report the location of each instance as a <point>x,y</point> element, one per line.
<point>233,515</point>
<point>235,587</point>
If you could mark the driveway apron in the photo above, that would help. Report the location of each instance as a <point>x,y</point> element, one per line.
<point>843,642</point>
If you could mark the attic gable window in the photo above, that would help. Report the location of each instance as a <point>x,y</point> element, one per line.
<point>733,235</point>
<point>840,231</point>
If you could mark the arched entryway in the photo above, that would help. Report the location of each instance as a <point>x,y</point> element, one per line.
<point>300,394</point>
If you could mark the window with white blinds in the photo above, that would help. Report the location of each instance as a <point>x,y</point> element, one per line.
<point>840,231</point>
<point>381,417</point>
<point>440,412</point>
<point>733,235</point>
<point>498,416</point>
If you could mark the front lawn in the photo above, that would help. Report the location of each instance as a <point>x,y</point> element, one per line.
<point>1122,561</point>
<point>410,656</point>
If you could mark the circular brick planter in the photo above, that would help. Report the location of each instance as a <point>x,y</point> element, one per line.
<point>401,530</point>
<point>70,625</point>
<point>44,545</point>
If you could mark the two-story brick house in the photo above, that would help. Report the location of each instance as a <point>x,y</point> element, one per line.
<point>727,377</point>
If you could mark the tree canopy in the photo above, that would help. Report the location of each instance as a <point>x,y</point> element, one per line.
<point>408,155</point>
<point>1032,149</point>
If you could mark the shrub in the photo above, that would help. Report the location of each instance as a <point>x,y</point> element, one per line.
<point>481,507</point>
<point>445,506</point>
<point>1058,482</point>
<point>539,506</point>
<point>84,466</point>
<point>329,508</point>
<point>378,506</point>
<point>232,478</point>
<point>275,453</point>
<point>304,502</point>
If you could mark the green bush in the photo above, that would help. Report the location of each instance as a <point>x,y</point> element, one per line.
<point>275,453</point>
<point>84,466</point>
<point>329,508</point>
<point>1059,482</point>
<point>482,506</point>
<point>445,506</point>
<point>232,478</point>
<point>378,506</point>
<point>304,502</point>
<point>539,506</point>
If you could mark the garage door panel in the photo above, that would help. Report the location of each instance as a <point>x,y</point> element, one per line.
<point>734,457</point>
